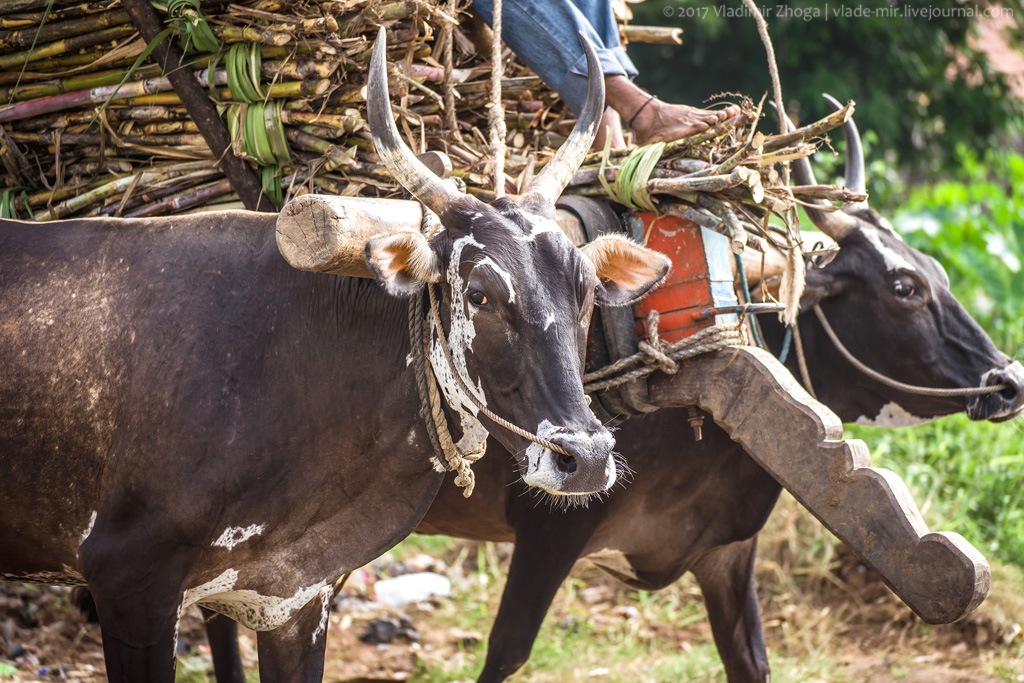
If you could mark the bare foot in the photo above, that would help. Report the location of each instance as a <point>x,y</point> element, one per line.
<point>654,120</point>
<point>663,122</point>
<point>610,123</point>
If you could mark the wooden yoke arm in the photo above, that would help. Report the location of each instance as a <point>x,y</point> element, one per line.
<point>800,443</point>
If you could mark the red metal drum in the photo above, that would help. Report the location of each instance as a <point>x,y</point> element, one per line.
<point>701,278</point>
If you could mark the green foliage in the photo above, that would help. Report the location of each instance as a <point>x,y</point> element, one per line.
<point>975,227</point>
<point>916,80</point>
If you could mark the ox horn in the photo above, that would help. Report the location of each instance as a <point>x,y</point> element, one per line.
<point>435,193</point>
<point>835,224</point>
<point>856,179</point>
<point>553,178</point>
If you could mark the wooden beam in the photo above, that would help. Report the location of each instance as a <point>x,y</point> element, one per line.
<point>797,440</point>
<point>199,107</point>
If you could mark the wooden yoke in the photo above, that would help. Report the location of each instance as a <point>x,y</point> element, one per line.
<point>800,442</point>
<point>328,234</point>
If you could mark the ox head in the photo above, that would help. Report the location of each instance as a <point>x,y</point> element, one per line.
<point>892,307</point>
<point>517,298</point>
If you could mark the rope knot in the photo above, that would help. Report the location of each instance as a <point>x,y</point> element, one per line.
<point>655,349</point>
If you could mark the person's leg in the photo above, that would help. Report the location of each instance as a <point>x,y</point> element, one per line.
<point>544,34</point>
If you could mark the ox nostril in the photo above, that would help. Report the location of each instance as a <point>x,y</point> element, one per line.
<point>566,464</point>
<point>1010,391</point>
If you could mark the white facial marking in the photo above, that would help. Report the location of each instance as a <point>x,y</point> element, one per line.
<point>893,415</point>
<point>234,535</point>
<point>88,528</point>
<point>489,262</point>
<point>538,226</point>
<point>460,341</point>
<point>893,261</point>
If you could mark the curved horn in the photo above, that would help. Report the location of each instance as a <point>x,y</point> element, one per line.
<point>550,182</point>
<point>435,193</point>
<point>835,224</point>
<point>856,179</point>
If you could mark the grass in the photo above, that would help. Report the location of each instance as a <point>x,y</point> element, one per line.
<point>966,476</point>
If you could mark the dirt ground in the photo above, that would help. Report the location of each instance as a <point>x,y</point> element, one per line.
<point>43,638</point>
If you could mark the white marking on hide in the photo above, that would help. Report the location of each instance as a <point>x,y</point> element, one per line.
<point>177,625</point>
<point>222,584</point>
<point>247,607</point>
<point>489,262</point>
<point>234,535</point>
<point>88,528</point>
<point>326,598</point>
<point>893,415</point>
<point>893,261</point>
<point>408,360</point>
<point>549,321</point>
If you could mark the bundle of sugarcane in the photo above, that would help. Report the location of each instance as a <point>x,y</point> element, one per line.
<point>90,125</point>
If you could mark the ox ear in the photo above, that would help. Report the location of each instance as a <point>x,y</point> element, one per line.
<point>626,270</point>
<point>818,286</point>
<point>403,262</point>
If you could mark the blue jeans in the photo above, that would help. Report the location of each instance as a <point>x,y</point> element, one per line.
<point>544,34</point>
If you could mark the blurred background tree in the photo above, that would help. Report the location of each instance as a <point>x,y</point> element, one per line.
<point>921,84</point>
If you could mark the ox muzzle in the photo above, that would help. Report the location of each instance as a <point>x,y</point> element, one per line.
<point>1004,404</point>
<point>589,466</point>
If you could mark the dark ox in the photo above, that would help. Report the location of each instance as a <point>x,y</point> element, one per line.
<point>184,419</point>
<point>699,506</point>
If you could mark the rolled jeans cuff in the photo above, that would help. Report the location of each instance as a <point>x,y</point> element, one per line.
<point>614,62</point>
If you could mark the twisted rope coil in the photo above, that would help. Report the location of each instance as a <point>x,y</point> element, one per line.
<point>657,355</point>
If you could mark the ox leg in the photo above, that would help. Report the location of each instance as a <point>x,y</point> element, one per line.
<point>726,576</point>
<point>139,636</point>
<point>540,562</point>
<point>294,652</point>
<point>222,633</point>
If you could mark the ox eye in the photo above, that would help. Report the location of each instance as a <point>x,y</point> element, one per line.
<point>477,298</point>
<point>903,290</point>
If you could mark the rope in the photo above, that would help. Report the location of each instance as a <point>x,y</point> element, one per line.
<point>431,409</point>
<point>895,384</point>
<point>550,445</point>
<point>801,361</point>
<point>656,355</point>
<point>448,87</point>
<point>496,115</point>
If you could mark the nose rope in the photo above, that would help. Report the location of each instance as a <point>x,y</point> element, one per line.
<point>895,384</point>
<point>472,396</point>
